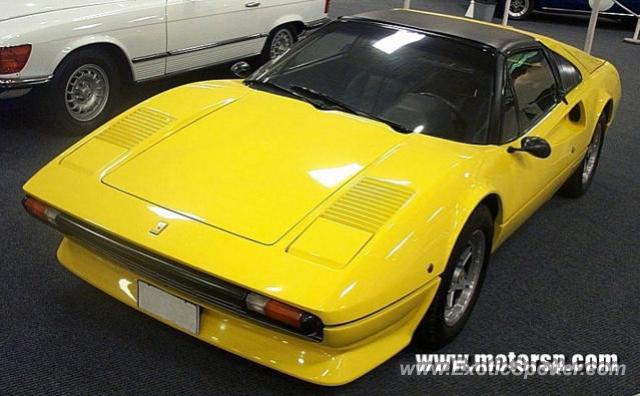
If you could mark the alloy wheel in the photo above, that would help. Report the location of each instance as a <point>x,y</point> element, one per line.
<point>591,159</point>
<point>519,8</point>
<point>281,43</point>
<point>464,280</point>
<point>87,92</point>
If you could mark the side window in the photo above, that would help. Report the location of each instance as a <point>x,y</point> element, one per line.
<point>323,48</point>
<point>533,84</point>
<point>570,76</point>
<point>510,125</point>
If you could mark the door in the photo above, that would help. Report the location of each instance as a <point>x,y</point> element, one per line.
<point>532,106</point>
<point>206,32</point>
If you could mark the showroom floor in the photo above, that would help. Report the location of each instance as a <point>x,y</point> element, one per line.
<point>567,282</point>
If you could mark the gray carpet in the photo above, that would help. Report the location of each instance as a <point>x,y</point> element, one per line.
<point>566,282</point>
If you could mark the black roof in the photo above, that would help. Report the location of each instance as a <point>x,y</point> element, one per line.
<point>503,40</point>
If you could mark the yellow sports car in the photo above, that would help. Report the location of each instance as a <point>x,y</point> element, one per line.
<point>341,201</point>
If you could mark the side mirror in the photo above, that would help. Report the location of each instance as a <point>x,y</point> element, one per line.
<point>536,146</point>
<point>562,96</point>
<point>241,69</point>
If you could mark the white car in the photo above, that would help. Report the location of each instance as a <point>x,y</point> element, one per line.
<point>82,52</point>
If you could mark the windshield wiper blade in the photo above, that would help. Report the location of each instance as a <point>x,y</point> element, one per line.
<point>332,102</point>
<point>268,84</point>
<point>275,87</point>
<point>394,125</point>
<point>325,98</point>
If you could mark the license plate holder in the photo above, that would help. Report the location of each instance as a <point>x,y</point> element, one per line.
<point>169,307</point>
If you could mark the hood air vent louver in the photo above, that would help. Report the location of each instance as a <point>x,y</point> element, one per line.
<point>369,204</point>
<point>135,127</point>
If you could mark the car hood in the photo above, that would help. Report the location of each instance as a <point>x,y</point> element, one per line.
<point>255,167</point>
<point>23,8</point>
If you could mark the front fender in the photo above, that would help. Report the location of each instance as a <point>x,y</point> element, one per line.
<point>299,12</point>
<point>608,78</point>
<point>413,247</point>
<point>137,28</point>
<point>288,18</point>
<point>76,43</point>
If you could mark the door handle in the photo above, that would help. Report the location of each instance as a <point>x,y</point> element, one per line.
<point>252,4</point>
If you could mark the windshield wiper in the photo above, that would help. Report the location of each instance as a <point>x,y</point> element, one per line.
<point>337,104</point>
<point>326,99</point>
<point>275,87</point>
<point>269,85</point>
<point>312,96</point>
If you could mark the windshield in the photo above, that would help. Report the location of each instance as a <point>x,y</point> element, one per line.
<point>412,81</point>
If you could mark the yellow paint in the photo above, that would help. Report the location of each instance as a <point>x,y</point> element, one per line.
<point>345,354</point>
<point>346,242</point>
<point>239,175</point>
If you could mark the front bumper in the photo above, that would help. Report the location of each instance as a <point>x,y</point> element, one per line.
<point>318,23</point>
<point>311,26</point>
<point>11,88</point>
<point>347,351</point>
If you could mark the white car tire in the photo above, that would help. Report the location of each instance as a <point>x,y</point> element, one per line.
<point>280,40</point>
<point>84,91</point>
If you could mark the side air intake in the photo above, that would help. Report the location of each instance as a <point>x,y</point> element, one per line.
<point>369,204</point>
<point>135,127</point>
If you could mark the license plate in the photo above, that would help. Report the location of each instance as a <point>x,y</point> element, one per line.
<point>183,314</point>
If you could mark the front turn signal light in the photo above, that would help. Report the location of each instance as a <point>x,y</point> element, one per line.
<point>298,319</point>
<point>40,210</point>
<point>14,59</point>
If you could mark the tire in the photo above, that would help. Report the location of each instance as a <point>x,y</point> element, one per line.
<point>280,41</point>
<point>578,183</point>
<point>441,324</point>
<point>96,81</point>
<point>521,9</point>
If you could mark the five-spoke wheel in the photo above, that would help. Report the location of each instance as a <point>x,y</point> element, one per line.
<point>465,278</point>
<point>582,177</point>
<point>461,282</point>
